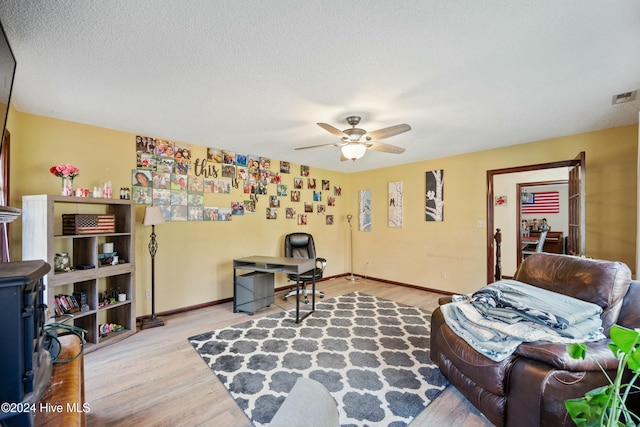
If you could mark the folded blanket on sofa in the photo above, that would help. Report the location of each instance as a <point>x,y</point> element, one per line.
<point>499,317</point>
<point>522,300</point>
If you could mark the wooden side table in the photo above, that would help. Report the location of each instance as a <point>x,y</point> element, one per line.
<point>63,403</point>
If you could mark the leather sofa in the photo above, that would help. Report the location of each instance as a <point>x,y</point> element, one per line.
<point>530,386</point>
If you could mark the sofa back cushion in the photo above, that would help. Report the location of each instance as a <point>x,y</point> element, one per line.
<point>604,283</point>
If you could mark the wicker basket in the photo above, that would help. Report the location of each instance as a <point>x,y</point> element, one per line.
<point>73,224</point>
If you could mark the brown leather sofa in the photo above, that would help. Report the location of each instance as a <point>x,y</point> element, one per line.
<point>530,386</point>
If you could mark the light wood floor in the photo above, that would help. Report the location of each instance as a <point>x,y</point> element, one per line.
<point>155,378</point>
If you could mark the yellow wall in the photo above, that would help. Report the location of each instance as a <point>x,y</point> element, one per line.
<point>193,265</point>
<point>194,259</point>
<point>451,255</point>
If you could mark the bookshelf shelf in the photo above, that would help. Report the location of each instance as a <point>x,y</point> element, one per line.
<point>42,238</point>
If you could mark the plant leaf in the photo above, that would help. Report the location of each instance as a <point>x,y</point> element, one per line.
<point>625,339</point>
<point>577,350</point>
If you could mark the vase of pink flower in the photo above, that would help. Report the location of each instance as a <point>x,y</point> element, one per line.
<point>67,173</point>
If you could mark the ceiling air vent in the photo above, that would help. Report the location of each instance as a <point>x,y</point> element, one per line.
<point>621,98</point>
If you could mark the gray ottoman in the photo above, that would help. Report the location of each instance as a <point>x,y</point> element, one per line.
<point>309,404</point>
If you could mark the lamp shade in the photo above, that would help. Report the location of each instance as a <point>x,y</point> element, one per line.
<point>152,216</point>
<point>353,151</point>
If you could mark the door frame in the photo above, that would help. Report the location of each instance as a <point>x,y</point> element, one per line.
<point>490,207</point>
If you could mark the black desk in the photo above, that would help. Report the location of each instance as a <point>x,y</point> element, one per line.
<point>268,264</point>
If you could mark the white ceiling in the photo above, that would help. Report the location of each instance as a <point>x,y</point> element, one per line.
<point>255,76</point>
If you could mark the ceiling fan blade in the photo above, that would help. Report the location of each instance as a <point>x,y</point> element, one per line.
<point>387,132</point>
<point>318,146</point>
<point>385,148</point>
<point>332,130</point>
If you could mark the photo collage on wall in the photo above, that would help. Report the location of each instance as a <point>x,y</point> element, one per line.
<point>168,174</point>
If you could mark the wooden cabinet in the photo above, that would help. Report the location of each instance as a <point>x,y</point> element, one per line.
<point>43,238</point>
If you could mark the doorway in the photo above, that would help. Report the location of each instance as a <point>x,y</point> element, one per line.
<point>576,178</point>
<point>552,211</point>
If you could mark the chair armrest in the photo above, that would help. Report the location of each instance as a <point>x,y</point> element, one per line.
<point>322,262</point>
<point>556,355</point>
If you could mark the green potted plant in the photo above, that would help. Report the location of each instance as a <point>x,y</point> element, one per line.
<point>606,406</point>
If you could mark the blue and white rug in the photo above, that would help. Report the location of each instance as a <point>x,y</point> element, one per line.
<point>371,354</point>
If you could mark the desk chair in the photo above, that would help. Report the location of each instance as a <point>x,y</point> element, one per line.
<point>539,245</point>
<point>300,245</point>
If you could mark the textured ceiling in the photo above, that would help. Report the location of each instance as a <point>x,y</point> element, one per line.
<point>255,76</point>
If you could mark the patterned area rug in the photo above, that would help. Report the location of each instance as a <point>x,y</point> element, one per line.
<point>371,354</point>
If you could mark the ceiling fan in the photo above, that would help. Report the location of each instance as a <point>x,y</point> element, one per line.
<point>354,142</point>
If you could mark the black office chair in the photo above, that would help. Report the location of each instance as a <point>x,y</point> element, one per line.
<point>300,245</point>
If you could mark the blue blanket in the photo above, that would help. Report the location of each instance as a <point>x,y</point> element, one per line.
<point>502,315</point>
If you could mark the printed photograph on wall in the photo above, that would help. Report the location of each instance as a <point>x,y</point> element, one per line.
<point>395,204</point>
<point>141,178</point>
<point>237,208</point>
<point>146,161</point>
<point>250,206</point>
<point>145,144</point>
<point>210,214</point>
<point>435,195</point>
<point>308,207</point>
<point>224,214</point>
<point>195,213</point>
<point>285,167</point>
<point>178,213</point>
<point>142,195</point>
<point>364,220</point>
<point>214,155</point>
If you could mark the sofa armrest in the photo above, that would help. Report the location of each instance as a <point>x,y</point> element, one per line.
<point>556,356</point>
<point>445,300</point>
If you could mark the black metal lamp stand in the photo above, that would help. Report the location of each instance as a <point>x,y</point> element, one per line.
<point>154,320</point>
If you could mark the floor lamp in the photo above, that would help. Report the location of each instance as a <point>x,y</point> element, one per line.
<point>351,278</point>
<point>152,217</point>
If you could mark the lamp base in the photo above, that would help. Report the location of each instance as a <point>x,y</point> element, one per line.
<point>352,278</point>
<point>152,322</point>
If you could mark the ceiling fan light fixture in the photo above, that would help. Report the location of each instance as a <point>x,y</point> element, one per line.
<point>354,151</point>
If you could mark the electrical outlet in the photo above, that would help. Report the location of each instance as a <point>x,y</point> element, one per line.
<point>443,275</point>
<point>148,294</point>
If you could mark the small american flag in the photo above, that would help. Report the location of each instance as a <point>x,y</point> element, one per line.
<point>543,202</point>
<point>88,224</point>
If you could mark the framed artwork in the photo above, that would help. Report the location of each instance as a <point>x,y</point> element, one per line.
<point>364,220</point>
<point>395,204</point>
<point>434,197</point>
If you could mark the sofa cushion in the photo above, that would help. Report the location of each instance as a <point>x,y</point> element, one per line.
<point>604,283</point>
